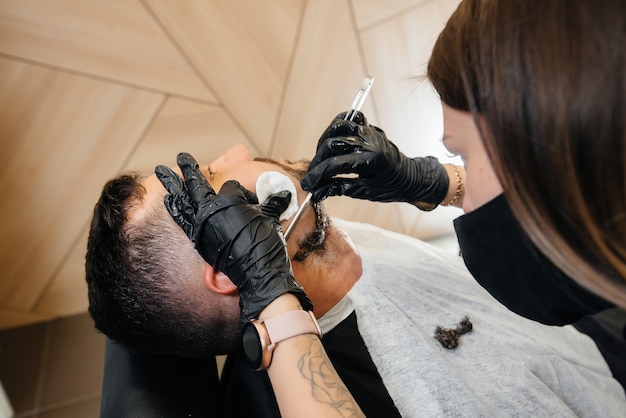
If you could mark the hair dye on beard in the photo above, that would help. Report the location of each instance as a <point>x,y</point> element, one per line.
<point>316,240</point>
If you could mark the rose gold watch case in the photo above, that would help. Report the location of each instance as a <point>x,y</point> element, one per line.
<point>266,347</point>
<point>284,326</point>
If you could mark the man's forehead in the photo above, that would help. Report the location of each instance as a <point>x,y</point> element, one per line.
<point>295,169</point>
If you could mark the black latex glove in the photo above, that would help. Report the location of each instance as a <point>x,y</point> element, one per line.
<point>235,234</point>
<point>384,173</point>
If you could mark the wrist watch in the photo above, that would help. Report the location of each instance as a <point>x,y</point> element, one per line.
<point>261,336</point>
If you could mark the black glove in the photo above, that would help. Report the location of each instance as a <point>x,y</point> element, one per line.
<point>384,173</point>
<point>234,234</point>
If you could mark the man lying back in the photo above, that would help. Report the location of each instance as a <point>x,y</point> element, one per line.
<point>378,304</point>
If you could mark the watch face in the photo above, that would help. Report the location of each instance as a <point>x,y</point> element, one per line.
<point>252,346</point>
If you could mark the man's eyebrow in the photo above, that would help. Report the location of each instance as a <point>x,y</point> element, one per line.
<point>297,173</point>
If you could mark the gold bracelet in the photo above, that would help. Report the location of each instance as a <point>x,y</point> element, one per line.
<point>459,188</point>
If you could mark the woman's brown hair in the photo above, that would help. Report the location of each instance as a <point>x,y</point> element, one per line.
<point>546,83</point>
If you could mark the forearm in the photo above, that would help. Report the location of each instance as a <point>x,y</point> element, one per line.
<point>305,382</point>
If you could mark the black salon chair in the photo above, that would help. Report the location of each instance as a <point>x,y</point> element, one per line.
<point>145,385</point>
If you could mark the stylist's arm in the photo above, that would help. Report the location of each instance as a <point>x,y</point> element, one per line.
<point>243,239</point>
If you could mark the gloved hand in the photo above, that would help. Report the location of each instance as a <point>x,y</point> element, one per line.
<point>384,173</point>
<point>234,234</point>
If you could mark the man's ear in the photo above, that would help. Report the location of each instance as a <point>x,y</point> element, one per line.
<point>218,282</point>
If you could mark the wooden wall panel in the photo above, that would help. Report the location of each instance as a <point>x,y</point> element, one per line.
<point>371,12</point>
<point>204,131</point>
<point>93,87</point>
<point>13,319</point>
<point>397,50</point>
<point>113,39</point>
<point>318,91</point>
<point>66,292</point>
<point>243,51</point>
<point>65,135</point>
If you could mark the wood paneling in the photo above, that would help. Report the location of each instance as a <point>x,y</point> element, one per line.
<point>66,292</point>
<point>318,91</point>
<point>242,49</point>
<point>114,39</point>
<point>93,87</point>
<point>397,50</point>
<point>63,135</point>
<point>372,12</point>
<point>12,319</point>
<point>205,131</point>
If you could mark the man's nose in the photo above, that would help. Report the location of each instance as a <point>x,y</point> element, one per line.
<point>232,155</point>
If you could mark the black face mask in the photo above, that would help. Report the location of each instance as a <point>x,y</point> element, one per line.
<point>504,261</point>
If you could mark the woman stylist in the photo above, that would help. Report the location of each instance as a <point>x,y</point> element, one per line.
<point>534,99</point>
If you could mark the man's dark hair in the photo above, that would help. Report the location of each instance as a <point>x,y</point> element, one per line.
<point>143,279</point>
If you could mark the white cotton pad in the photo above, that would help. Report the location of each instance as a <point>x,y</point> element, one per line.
<point>271,182</point>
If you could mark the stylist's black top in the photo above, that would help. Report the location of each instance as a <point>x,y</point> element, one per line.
<point>608,331</point>
<point>503,259</point>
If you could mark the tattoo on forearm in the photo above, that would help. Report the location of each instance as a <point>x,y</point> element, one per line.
<point>325,386</point>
